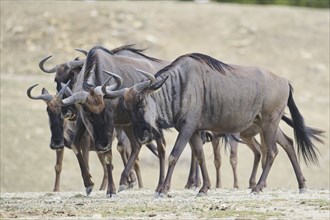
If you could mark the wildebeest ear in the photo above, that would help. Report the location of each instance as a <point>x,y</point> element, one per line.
<point>44,91</point>
<point>157,84</point>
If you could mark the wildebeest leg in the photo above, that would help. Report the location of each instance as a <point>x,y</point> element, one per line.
<point>193,173</point>
<point>287,144</point>
<point>80,130</point>
<point>124,148</point>
<point>111,191</point>
<point>179,146</point>
<point>136,166</point>
<point>85,148</point>
<point>135,146</point>
<point>253,144</point>
<point>233,160</point>
<point>197,146</point>
<point>197,175</point>
<point>268,139</point>
<point>101,157</point>
<point>217,159</point>
<point>161,154</point>
<point>58,169</point>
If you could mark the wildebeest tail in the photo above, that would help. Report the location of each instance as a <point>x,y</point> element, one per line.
<point>229,139</point>
<point>303,134</point>
<point>206,136</point>
<point>314,133</point>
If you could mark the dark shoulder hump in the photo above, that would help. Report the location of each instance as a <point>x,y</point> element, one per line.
<point>211,62</point>
<point>130,47</point>
<point>91,59</point>
<point>170,66</point>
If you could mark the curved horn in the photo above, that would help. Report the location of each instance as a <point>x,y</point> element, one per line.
<point>45,97</point>
<point>111,91</point>
<point>75,63</point>
<point>142,85</point>
<point>41,66</point>
<point>62,91</point>
<point>85,52</point>
<point>119,80</point>
<point>101,90</point>
<point>116,93</point>
<point>78,97</point>
<point>68,91</point>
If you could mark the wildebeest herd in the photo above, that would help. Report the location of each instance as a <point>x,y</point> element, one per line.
<point>126,94</point>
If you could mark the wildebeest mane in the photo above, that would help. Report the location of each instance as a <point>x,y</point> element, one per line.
<point>90,61</point>
<point>210,61</point>
<point>130,48</point>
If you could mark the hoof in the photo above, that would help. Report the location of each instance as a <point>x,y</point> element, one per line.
<point>131,185</point>
<point>201,194</point>
<point>302,190</point>
<point>89,189</point>
<point>111,195</point>
<point>159,195</point>
<point>255,192</point>
<point>122,188</point>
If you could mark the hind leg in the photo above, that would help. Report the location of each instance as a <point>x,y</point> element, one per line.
<point>217,159</point>
<point>233,161</point>
<point>268,138</point>
<point>287,144</point>
<point>197,146</point>
<point>253,144</point>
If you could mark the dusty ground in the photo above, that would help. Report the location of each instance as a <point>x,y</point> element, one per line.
<point>292,42</point>
<point>183,204</point>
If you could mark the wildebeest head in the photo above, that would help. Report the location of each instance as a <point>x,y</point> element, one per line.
<point>54,113</point>
<point>95,113</point>
<point>141,106</point>
<point>92,98</point>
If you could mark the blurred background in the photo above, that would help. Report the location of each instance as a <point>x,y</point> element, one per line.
<point>290,40</point>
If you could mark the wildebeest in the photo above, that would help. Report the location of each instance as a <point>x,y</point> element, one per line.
<point>62,131</point>
<point>101,116</point>
<point>197,92</point>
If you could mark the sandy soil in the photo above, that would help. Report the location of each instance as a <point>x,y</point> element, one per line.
<point>292,42</point>
<point>182,204</point>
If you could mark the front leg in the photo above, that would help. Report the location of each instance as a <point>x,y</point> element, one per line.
<point>111,191</point>
<point>58,168</point>
<point>101,157</point>
<point>80,130</point>
<point>179,146</point>
<point>161,154</point>
<point>134,154</point>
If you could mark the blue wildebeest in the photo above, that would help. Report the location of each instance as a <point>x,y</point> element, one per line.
<point>197,92</point>
<point>99,116</point>
<point>62,131</point>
